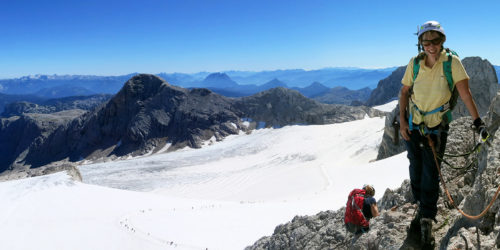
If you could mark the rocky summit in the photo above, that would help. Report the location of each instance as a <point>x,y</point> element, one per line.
<point>472,182</point>
<point>148,115</point>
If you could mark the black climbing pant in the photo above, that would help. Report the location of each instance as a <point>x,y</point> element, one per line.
<point>424,177</point>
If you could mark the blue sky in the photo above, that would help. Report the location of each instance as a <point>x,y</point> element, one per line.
<point>101,37</point>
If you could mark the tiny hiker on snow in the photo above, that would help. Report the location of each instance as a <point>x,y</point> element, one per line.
<point>360,208</point>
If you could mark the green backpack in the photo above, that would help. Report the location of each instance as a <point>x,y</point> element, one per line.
<point>448,107</point>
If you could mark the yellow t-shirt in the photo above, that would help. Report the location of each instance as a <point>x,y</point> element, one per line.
<point>430,90</point>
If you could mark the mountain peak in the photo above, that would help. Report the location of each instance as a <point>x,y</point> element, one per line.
<point>314,90</point>
<point>218,76</point>
<point>317,85</point>
<point>146,77</point>
<point>275,83</point>
<point>218,80</point>
<point>142,86</point>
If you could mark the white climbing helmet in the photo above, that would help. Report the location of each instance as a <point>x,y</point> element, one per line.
<point>430,25</point>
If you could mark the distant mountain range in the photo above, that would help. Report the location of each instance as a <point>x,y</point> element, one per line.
<point>352,78</point>
<point>222,84</point>
<point>318,84</point>
<point>53,86</point>
<point>312,84</point>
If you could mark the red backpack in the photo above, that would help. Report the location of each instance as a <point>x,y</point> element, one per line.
<point>353,208</point>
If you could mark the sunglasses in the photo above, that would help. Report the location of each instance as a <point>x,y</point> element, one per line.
<point>435,41</point>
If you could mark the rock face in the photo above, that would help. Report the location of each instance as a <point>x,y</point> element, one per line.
<point>148,114</point>
<point>483,85</point>
<point>19,133</point>
<point>472,188</point>
<point>387,89</point>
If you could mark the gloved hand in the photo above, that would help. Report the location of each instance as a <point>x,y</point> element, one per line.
<point>481,128</point>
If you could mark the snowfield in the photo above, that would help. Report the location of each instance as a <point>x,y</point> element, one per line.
<point>388,107</point>
<point>225,195</point>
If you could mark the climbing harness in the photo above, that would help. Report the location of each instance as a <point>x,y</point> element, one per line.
<point>448,106</point>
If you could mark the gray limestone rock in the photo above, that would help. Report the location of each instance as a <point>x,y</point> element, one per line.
<point>20,133</point>
<point>483,84</point>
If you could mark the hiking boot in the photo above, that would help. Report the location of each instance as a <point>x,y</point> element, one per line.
<point>427,240</point>
<point>414,231</point>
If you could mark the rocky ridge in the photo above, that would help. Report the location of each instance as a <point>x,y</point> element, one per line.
<point>472,188</point>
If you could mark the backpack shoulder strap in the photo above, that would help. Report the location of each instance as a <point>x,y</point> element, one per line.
<point>447,67</point>
<point>354,194</point>
<point>416,65</point>
<point>447,117</point>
